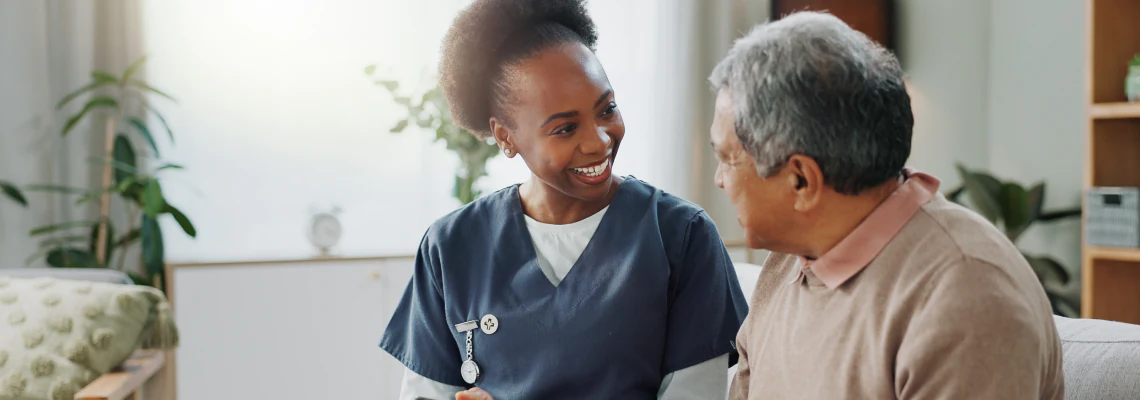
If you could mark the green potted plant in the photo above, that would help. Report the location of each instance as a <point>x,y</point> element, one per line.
<point>429,111</point>
<point>1013,209</point>
<point>129,175</point>
<point>1132,80</point>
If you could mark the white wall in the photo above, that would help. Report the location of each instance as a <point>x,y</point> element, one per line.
<point>1036,124</point>
<point>944,48</point>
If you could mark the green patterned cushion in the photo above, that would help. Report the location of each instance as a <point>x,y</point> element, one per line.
<point>56,336</point>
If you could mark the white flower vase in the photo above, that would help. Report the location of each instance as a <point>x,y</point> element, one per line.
<point>1132,83</point>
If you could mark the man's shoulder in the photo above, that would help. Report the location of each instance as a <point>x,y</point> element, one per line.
<point>946,235</point>
<point>954,253</point>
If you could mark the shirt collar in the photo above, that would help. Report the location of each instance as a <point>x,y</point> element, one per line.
<point>859,247</point>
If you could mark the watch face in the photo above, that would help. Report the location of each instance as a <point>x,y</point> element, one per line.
<point>470,371</point>
<point>325,231</point>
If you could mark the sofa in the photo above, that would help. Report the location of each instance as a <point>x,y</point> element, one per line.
<point>1101,358</point>
<point>142,372</point>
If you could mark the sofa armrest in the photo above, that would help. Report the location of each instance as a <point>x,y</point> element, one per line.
<point>126,381</point>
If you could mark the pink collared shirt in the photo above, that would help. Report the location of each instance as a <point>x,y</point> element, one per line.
<point>859,247</point>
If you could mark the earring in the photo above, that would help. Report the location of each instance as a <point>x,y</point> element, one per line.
<point>507,152</point>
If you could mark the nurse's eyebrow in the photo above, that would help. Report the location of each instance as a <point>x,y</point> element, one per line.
<point>603,98</point>
<point>569,114</point>
<point>566,114</point>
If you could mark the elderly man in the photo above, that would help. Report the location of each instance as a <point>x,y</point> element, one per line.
<point>877,286</point>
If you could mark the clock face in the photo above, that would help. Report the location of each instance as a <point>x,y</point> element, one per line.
<point>325,231</point>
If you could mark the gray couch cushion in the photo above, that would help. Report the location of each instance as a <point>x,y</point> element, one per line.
<point>74,274</point>
<point>1102,358</point>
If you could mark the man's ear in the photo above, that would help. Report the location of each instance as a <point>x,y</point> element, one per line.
<point>502,135</point>
<point>806,180</point>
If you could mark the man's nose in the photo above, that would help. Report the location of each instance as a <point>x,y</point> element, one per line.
<point>718,176</point>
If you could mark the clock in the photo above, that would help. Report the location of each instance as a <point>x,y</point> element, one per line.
<point>325,231</point>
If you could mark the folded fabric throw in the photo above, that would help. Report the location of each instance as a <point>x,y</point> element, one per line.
<point>56,336</point>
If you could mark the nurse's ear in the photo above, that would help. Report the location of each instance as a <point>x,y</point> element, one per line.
<point>502,136</point>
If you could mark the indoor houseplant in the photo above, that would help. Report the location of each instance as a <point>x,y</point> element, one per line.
<point>130,176</point>
<point>1013,208</point>
<point>1132,79</point>
<point>429,111</point>
<point>12,192</point>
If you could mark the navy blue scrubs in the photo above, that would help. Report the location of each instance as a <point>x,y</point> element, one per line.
<point>653,292</point>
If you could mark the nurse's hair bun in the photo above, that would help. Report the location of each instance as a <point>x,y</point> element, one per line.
<point>491,34</point>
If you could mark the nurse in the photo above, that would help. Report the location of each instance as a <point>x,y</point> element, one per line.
<point>576,284</point>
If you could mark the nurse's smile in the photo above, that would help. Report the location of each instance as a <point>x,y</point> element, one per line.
<point>594,173</point>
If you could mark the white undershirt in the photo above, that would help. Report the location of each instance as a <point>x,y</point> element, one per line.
<point>558,248</point>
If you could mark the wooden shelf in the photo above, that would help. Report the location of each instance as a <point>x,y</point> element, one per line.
<point>1114,110</point>
<point>1110,285</point>
<point>1113,253</point>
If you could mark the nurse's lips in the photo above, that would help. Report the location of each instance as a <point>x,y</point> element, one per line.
<point>593,173</point>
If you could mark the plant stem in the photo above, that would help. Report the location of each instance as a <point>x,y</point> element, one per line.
<point>105,200</point>
<point>133,214</point>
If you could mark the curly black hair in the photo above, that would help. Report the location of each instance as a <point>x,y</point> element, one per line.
<point>491,34</point>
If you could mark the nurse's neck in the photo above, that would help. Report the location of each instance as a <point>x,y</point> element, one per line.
<point>548,205</point>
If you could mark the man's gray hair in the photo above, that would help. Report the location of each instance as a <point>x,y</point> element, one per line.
<point>809,84</point>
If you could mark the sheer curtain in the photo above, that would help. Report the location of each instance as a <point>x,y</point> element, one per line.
<point>47,49</point>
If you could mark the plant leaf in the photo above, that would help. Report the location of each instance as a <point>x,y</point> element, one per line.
<point>169,166</point>
<point>983,191</point>
<point>390,85</point>
<point>129,238</point>
<point>61,226</point>
<point>86,88</point>
<point>98,102</point>
<point>956,194</point>
<point>133,190</point>
<point>108,246</point>
<point>132,69</point>
<point>142,85</point>
<point>66,257</point>
<point>58,241</point>
<point>152,246</point>
<point>1049,271</point>
<point>56,188</point>
<point>145,132</point>
<point>369,70</point>
<point>13,193</point>
<point>100,76</point>
<point>400,126</point>
<point>160,119</point>
<point>124,154</point>
<point>182,220</point>
<point>1036,198</point>
<point>92,195</point>
<point>116,165</point>
<point>1056,215</point>
<point>1016,210</point>
<point>153,203</point>
<point>1063,306</point>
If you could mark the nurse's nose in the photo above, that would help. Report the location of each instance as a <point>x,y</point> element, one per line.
<point>598,142</point>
